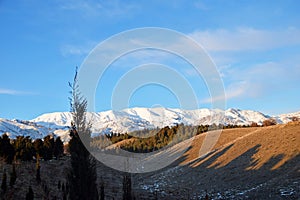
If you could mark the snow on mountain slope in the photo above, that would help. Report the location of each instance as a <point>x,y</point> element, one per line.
<point>244,117</point>
<point>15,128</point>
<point>132,119</point>
<point>285,118</point>
<point>54,119</point>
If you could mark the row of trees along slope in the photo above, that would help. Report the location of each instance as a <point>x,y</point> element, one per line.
<point>25,149</point>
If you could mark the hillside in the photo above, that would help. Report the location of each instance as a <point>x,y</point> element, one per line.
<point>245,163</point>
<point>254,163</point>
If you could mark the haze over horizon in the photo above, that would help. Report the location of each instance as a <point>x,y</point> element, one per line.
<point>255,48</point>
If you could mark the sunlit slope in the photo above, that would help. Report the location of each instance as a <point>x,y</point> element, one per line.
<point>281,142</point>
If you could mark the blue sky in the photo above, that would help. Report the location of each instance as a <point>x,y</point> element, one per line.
<point>254,44</point>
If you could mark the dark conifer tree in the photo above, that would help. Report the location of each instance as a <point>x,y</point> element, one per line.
<point>58,148</point>
<point>82,175</point>
<point>48,147</point>
<point>67,187</point>
<point>127,187</point>
<point>13,176</point>
<point>7,149</point>
<point>38,170</point>
<point>1,150</point>
<point>30,194</point>
<point>38,147</point>
<point>64,196</point>
<point>4,182</point>
<point>59,185</point>
<point>29,150</point>
<point>24,148</point>
<point>102,191</point>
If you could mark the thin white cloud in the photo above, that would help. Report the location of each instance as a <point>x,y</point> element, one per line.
<point>261,79</point>
<point>92,8</point>
<point>235,90</point>
<point>4,91</point>
<point>252,80</point>
<point>78,50</point>
<point>71,50</point>
<point>258,80</point>
<point>200,5</point>
<point>242,39</point>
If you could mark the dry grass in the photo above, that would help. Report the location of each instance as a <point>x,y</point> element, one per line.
<point>274,141</point>
<point>258,162</point>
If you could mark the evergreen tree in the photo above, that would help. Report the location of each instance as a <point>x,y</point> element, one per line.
<point>13,176</point>
<point>24,148</point>
<point>38,170</point>
<point>63,187</point>
<point>4,183</point>
<point>38,146</point>
<point>102,191</point>
<point>30,195</point>
<point>29,150</point>
<point>1,150</point>
<point>48,147</point>
<point>67,187</point>
<point>82,175</point>
<point>59,185</point>
<point>7,149</point>
<point>64,196</point>
<point>127,187</point>
<point>58,148</point>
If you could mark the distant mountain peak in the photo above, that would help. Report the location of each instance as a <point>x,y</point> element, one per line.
<point>132,119</point>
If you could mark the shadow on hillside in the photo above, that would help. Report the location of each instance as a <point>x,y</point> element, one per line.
<point>234,178</point>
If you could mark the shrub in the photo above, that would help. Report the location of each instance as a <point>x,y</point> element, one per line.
<point>269,122</point>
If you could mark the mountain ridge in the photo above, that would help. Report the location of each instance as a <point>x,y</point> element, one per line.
<point>132,119</point>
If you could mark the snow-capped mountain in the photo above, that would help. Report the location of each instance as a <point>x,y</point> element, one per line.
<point>285,118</point>
<point>132,119</point>
<point>16,128</point>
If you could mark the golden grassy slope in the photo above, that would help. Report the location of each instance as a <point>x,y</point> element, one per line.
<point>280,141</point>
